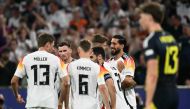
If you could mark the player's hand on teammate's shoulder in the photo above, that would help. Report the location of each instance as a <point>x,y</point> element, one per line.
<point>20,99</point>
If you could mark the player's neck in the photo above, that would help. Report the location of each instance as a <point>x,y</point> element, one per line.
<point>155,27</point>
<point>118,55</point>
<point>85,55</point>
<point>42,49</point>
<point>69,60</point>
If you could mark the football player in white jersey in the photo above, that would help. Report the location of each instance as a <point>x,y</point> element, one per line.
<point>84,75</point>
<point>99,57</point>
<point>41,69</point>
<point>119,59</point>
<point>65,52</point>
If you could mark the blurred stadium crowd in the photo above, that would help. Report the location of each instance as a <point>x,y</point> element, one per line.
<point>22,20</point>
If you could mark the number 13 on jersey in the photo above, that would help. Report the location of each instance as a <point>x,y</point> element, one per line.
<point>171,61</point>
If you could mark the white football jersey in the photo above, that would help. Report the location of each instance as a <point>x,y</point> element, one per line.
<point>41,69</point>
<point>129,70</point>
<point>120,99</point>
<point>84,76</point>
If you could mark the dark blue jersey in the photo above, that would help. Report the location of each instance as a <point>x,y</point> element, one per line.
<point>162,46</point>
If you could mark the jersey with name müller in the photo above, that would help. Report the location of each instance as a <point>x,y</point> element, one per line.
<point>129,70</point>
<point>41,69</point>
<point>84,75</point>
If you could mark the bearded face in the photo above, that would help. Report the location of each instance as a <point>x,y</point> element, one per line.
<point>64,52</point>
<point>115,51</point>
<point>115,47</point>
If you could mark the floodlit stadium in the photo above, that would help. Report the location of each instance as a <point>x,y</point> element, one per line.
<point>94,54</point>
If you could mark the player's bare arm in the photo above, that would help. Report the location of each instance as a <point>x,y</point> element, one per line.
<point>151,81</point>
<point>105,95</point>
<point>15,86</point>
<point>64,94</point>
<point>112,92</point>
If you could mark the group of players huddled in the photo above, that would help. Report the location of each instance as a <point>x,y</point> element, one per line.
<point>94,82</point>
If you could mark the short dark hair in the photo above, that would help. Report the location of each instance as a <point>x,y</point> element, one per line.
<point>99,51</point>
<point>99,39</point>
<point>64,43</point>
<point>85,45</point>
<point>44,38</point>
<point>121,39</point>
<point>154,9</point>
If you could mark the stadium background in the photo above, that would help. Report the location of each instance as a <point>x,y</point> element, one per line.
<point>72,20</point>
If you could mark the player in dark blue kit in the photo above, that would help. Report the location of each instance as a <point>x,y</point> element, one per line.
<point>161,55</point>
